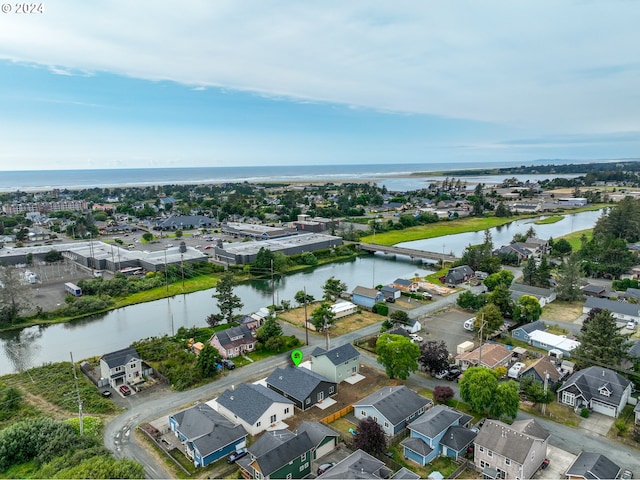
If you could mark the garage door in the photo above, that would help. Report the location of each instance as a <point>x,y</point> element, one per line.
<point>326,448</point>
<point>604,409</point>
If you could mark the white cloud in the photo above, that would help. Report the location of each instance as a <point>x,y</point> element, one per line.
<point>542,65</point>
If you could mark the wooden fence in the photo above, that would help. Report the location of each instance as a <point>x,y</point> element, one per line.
<point>339,414</point>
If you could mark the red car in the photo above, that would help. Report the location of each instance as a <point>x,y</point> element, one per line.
<point>124,390</point>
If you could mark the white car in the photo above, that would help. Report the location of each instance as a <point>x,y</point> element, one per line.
<point>415,337</point>
<point>631,325</point>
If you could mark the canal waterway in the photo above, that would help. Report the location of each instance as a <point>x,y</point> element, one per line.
<point>97,335</point>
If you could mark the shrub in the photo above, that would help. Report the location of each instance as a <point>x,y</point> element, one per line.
<point>585,412</point>
<point>621,425</point>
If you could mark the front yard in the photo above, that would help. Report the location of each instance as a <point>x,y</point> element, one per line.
<point>356,321</point>
<point>562,311</point>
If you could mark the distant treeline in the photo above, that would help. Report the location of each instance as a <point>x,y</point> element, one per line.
<point>578,168</point>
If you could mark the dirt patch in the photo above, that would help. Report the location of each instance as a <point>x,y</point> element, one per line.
<point>343,325</point>
<point>562,311</point>
<point>347,395</point>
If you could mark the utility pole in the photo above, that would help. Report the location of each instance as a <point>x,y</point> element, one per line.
<point>546,382</point>
<point>480,351</point>
<point>306,326</point>
<point>75,377</point>
<point>273,290</point>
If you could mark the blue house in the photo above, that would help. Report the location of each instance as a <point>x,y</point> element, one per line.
<point>523,331</point>
<point>392,408</point>
<point>440,431</point>
<point>206,435</point>
<point>366,297</point>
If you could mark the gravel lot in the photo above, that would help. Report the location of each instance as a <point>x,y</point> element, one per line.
<point>447,326</point>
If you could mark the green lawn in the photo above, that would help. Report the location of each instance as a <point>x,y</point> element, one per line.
<point>574,238</point>
<point>548,220</point>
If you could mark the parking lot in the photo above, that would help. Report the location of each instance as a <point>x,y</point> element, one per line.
<point>447,326</point>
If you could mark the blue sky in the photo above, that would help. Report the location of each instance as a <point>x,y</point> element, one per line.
<point>116,83</point>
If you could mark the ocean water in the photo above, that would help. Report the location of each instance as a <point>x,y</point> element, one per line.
<point>43,180</point>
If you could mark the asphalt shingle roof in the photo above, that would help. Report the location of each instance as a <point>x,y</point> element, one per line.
<point>435,421</point>
<point>317,431</point>
<point>358,465</point>
<point>457,437</point>
<point>593,466</point>
<point>298,382</point>
<point>120,357</point>
<point>623,308</point>
<point>337,355</point>
<point>589,381</point>
<point>395,403</point>
<point>284,453</point>
<point>249,401</point>
<point>533,326</point>
<point>512,441</point>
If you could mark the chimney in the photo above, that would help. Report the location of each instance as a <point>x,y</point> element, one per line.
<point>183,247</point>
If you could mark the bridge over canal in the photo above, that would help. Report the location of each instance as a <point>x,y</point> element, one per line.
<point>409,252</point>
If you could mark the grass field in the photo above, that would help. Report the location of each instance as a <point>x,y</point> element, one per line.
<point>548,220</point>
<point>341,326</point>
<point>562,311</point>
<point>574,238</point>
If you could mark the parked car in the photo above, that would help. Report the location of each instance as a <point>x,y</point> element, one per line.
<point>631,325</point>
<point>237,455</point>
<point>325,466</point>
<point>228,364</point>
<point>468,324</point>
<point>453,373</point>
<point>415,337</point>
<point>626,474</point>
<point>106,393</point>
<point>124,390</point>
<point>441,375</point>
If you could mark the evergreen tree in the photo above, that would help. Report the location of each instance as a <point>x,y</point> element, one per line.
<point>501,298</point>
<point>333,288</point>
<point>14,295</point>
<point>529,272</point>
<point>601,343</point>
<point>543,273</point>
<point>227,301</point>
<point>568,288</point>
<point>207,360</point>
<point>323,317</point>
<point>492,318</point>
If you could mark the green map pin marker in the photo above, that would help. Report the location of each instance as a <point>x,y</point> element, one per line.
<point>296,356</point>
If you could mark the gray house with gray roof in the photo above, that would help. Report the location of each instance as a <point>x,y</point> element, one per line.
<point>254,406</point>
<point>510,451</point>
<point>592,466</point>
<point>323,438</point>
<point>304,387</point>
<point>358,465</point>
<point>621,311</point>
<point>337,363</point>
<point>121,367</point>
<point>393,408</point>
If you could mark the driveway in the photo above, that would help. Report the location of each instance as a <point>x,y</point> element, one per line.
<point>597,423</point>
<point>559,462</point>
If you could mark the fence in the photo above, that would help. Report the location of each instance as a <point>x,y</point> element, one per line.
<point>339,414</point>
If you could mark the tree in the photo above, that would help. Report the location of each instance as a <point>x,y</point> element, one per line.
<point>263,262</point>
<point>470,301</point>
<point>208,360</point>
<point>505,400</point>
<point>568,288</point>
<point>179,233</point>
<point>227,301</point>
<point>492,318</point>
<point>503,277</point>
<point>147,236</point>
<point>381,308</point>
<point>214,319</point>
<point>323,317</point>
<point>300,297</point>
<point>529,271</point>
<point>14,295</point>
<point>333,288</point>
<point>370,437</point>
<point>477,387</point>
<point>442,393</point>
<point>398,355</point>
<point>527,309</point>
<point>434,356</point>
<point>399,316</point>
<point>601,342</point>
<point>53,256</point>
<point>269,329</point>
<point>543,273</point>
<point>561,247</point>
<point>501,298</point>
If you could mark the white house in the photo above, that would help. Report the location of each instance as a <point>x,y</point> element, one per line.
<point>342,308</point>
<point>621,311</point>
<point>121,367</point>
<point>549,341</point>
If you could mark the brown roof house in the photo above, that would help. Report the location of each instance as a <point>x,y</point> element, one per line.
<point>543,368</point>
<point>510,451</point>
<point>234,341</point>
<point>490,355</point>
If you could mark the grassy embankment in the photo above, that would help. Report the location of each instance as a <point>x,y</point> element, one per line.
<point>574,238</point>
<point>549,220</point>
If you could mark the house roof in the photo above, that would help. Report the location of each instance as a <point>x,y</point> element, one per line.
<point>337,355</point>
<point>402,281</point>
<point>120,357</point>
<point>634,349</point>
<point>395,403</point>
<point>529,290</point>
<point>556,341</point>
<point>435,421</point>
<point>512,441</point>
<point>593,466</point>
<point>358,465</point>
<point>284,453</point>
<point>589,381</point>
<point>405,474</point>
<point>250,401</point>
<point>542,367</point>
<point>457,437</point>
<point>613,306</point>
<point>389,289</point>
<point>207,429</point>
<point>298,382</point>
<point>270,440</point>
<point>632,292</point>
<point>416,444</point>
<point>317,431</point>
<point>592,288</point>
<point>458,273</point>
<point>235,336</point>
<point>492,354</point>
<point>533,326</point>
<point>366,292</point>
<point>399,331</point>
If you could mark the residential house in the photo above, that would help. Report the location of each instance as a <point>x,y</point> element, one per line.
<point>206,434</point>
<point>279,454</point>
<point>621,311</point>
<point>358,465</point>
<point>366,297</point>
<point>631,293</point>
<point>393,408</point>
<point>523,253</point>
<point>458,275</point>
<point>323,438</point>
<point>510,451</point>
<point>523,331</point>
<point>304,387</point>
<point>390,293</point>
<point>337,363</point>
<point>636,413</point>
<point>250,321</point>
<point>405,285</point>
<point>549,341</point>
<point>399,331</point>
<point>121,367</point>
<point>597,388</point>
<point>539,246</point>
<point>591,290</point>
<point>405,474</point>
<point>254,406</point>
<point>414,326</point>
<point>592,466</point>
<point>542,368</point>
<point>342,309</point>
<point>441,424</point>
<point>234,341</point>
<point>490,355</point>
<point>544,295</point>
